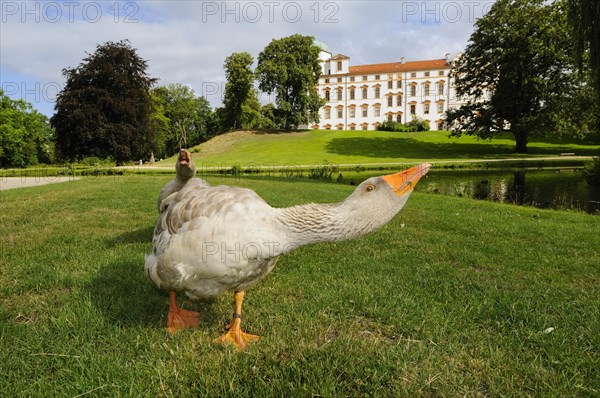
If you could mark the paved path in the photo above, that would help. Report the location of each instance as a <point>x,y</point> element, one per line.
<point>23,182</point>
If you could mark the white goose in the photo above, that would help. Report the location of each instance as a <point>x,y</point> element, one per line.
<point>185,170</point>
<point>215,239</point>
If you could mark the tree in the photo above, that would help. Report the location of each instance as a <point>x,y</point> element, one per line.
<point>584,16</point>
<point>105,108</point>
<point>159,123</point>
<point>241,108</point>
<point>25,135</point>
<point>290,68</point>
<point>517,73</point>
<point>187,116</point>
<point>269,117</point>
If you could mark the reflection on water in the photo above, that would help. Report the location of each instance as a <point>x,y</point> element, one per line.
<point>558,188</point>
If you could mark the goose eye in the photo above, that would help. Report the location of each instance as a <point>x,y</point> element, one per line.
<point>370,188</point>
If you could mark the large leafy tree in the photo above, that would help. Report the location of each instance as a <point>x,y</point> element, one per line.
<point>188,118</point>
<point>25,135</point>
<point>290,68</point>
<point>241,108</point>
<point>105,108</point>
<point>517,74</point>
<point>584,16</point>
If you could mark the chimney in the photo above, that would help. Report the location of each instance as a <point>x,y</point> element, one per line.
<point>401,60</point>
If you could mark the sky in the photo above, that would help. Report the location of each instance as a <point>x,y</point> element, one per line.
<point>187,41</point>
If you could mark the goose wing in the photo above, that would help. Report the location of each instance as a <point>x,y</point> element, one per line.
<point>211,239</point>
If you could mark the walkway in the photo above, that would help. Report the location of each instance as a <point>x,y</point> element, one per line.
<point>24,182</point>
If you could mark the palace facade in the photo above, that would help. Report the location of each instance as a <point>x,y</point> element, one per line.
<point>361,97</point>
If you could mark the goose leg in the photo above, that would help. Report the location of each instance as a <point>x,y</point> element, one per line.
<point>179,318</point>
<point>234,334</point>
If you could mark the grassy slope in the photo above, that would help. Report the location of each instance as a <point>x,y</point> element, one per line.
<point>362,147</point>
<point>450,299</point>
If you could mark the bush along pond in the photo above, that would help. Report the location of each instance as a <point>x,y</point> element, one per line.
<point>563,188</point>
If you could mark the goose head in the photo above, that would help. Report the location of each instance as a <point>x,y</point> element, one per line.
<point>378,199</point>
<point>185,167</point>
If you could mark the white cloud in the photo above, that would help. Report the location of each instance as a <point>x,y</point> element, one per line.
<point>187,41</point>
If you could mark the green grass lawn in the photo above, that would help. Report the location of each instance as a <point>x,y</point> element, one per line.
<point>364,147</point>
<point>451,298</point>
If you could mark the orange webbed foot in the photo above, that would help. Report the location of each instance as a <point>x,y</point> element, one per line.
<point>236,336</point>
<point>182,319</point>
<point>179,319</point>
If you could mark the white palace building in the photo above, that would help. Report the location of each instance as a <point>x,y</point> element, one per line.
<point>361,97</point>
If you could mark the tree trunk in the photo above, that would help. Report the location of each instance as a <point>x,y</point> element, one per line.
<point>521,138</point>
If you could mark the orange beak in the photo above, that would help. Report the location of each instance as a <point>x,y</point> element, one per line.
<point>406,180</point>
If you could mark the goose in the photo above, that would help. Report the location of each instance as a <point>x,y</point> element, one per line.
<point>185,170</point>
<point>212,239</point>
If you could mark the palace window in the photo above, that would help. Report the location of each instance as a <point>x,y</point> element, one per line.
<point>364,78</point>
<point>440,107</point>
<point>413,90</point>
<point>351,78</point>
<point>426,90</point>
<point>377,111</point>
<point>352,93</point>
<point>399,100</point>
<point>413,74</point>
<point>339,94</point>
<point>426,109</point>
<point>399,84</point>
<point>390,100</point>
<point>426,74</point>
<point>377,77</point>
<point>327,113</point>
<point>339,65</point>
<point>340,113</point>
<point>413,109</point>
<point>365,111</point>
<point>377,92</point>
<point>399,118</point>
<point>352,112</point>
<point>390,84</point>
<point>327,95</point>
<point>364,92</point>
<point>390,117</point>
<point>440,88</point>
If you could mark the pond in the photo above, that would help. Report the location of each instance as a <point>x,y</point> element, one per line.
<point>563,188</point>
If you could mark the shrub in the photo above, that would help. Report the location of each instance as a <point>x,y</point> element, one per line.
<point>91,161</point>
<point>323,172</point>
<point>592,171</point>
<point>419,124</point>
<point>236,169</point>
<point>390,125</point>
<point>416,124</point>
